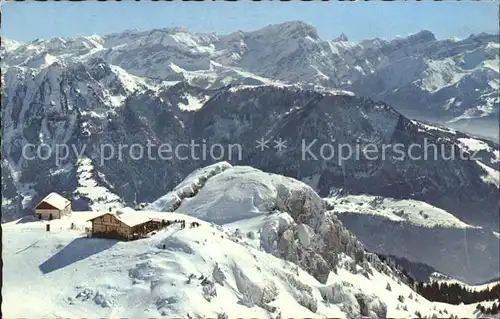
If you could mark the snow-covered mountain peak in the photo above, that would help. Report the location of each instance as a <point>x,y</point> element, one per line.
<point>341,38</point>
<point>176,38</point>
<point>406,72</point>
<point>294,29</point>
<point>255,192</point>
<point>8,44</point>
<point>75,46</point>
<point>422,36</point>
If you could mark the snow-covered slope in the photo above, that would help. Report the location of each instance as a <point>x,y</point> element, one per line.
<point>214,199</point>
<point>486,150</point>
<point>172,86</point>
<point>423,233</point>
<point>407,211</point>
<point>61,106</point>
<point>220,193</point>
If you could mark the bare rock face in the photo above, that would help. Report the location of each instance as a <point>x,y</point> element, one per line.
<point>371,306</point>
<point>316,244</point>
<point>301,203</point>
<point>300,229</point>
<point>316,238</point>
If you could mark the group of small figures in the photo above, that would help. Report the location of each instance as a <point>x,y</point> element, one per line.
<point>182,222</point>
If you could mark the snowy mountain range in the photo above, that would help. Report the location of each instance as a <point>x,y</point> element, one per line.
<point>267,247</point>
<point>446,81</point>
<point>87,105</point>
<point>171,86</point>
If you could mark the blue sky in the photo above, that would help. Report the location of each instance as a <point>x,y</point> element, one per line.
<point>25,21</point>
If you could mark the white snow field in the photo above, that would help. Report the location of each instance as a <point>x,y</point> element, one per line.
<point>222,193</point>
<point>410,211</point>
<point>232,269</point>
<point>206,271</point>
<point>421,232</point>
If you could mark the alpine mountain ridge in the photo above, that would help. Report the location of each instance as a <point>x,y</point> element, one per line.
<point>453,81</point>
<point>171,86</point>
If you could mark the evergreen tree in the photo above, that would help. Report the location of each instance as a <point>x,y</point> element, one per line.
<point>456,293</point>
<point>482,309</point>
<point>494,309</point>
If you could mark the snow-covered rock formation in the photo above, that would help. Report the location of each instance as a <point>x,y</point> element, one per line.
<point>297,225</point>
<point>237,193</point>
<point>89,92</point>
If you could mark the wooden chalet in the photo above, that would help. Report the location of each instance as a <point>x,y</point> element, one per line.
<point>53,206</point>
<point>125,224</point>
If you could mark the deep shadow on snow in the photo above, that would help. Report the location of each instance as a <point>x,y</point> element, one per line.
<point>27,219</point>
<point>79,249</point>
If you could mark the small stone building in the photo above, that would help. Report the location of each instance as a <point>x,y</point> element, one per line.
<point>125,224</point>
<point>53,206</point>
